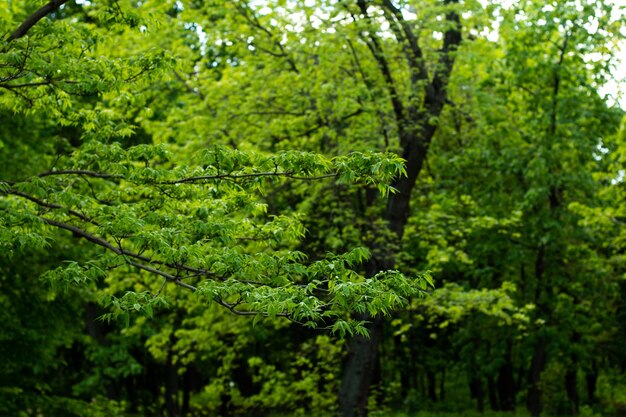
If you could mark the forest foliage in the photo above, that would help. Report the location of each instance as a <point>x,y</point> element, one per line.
<point>229,208</point>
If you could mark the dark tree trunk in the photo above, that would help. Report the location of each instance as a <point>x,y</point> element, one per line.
<point>405,378</point>
<point>187,384</point>
<point>422,385</point>
<point>537,365</point>
<point>172,405</point>
<point>519,383</point>
<point>151,380</point>
<point>242,378</point>
<point>591,379</point>
<point>538,361</point>
<point>377,380</point>
<point>442,386</point>
<point>131,392</point>
<point>477,392</point>
<point>571,387</point>
<point>415,132</point>
<point>359,372</point>
<point>171,387</point>
<point>96,328</point>
<point>506,383</point>
<point>571,376</point>
<point>226,408</point>
<point>432,385</point>
<point>493,394</point>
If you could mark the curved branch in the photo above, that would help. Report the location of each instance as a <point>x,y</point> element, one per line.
<point>119,250</point>
<point>409,41</point>
<point>451,42</point>
<point>85,235</point>
<point>245,10</point>
<point>32,20</point>
<point>169,277</point>
<point>42,203</point>
<point>373,43</point>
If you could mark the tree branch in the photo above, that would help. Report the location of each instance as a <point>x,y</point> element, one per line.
<point>85,235</point>
<point>79,172</point>
<point>233,309</point>
<point>252,18</point>
<point>32,20</point>
<point>436,94</point>
<point>376,49</point>
<point>556,84</point>
<point>250,175</point>
<point>119,250</point>
<point>167,277</point>
<point>410,45</point>
<point>53,206</point>
<point>26,85</point>
<point>290,175</point>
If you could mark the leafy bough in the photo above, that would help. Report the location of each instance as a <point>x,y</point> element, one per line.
<point>203,227</point>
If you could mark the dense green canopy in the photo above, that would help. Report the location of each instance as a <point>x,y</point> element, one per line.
<point>310,207</point>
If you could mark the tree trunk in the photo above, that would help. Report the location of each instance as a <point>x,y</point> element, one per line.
<point>442,386</point>
<point>537,365</point>
<point>477,392</point>
<point>131,392</point>
<point>432,385</point>
<point>359,372</point>
<point>538,361</point>
<point>226,408</point>
<point>571,387</point>
<point>421,386</point>
<point>521,372</point>
<point>415,132</point>
<point>506,383</point>
<point>187,384</point>
<point>591,379</point>
<point>405,372</point>
<point>493,394</point>
<point>171,387</point>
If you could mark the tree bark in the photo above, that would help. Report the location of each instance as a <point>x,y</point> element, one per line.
<point>506,383</point>
<point>493,394</point>
<point>591,379</point>
<point>537,365</point>
<point>32,20</point>
<point>172,383</point>
<point>187,385</point>
<point>171,387</point>
<point>477,392</point>
<point>442,385</point>
<point>359,371</point>
<point>571,387</point>
<point>432,385</point>
<point>415,132</point>
<point>406,372</point>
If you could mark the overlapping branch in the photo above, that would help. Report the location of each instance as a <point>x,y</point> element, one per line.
<point>133,261</point>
